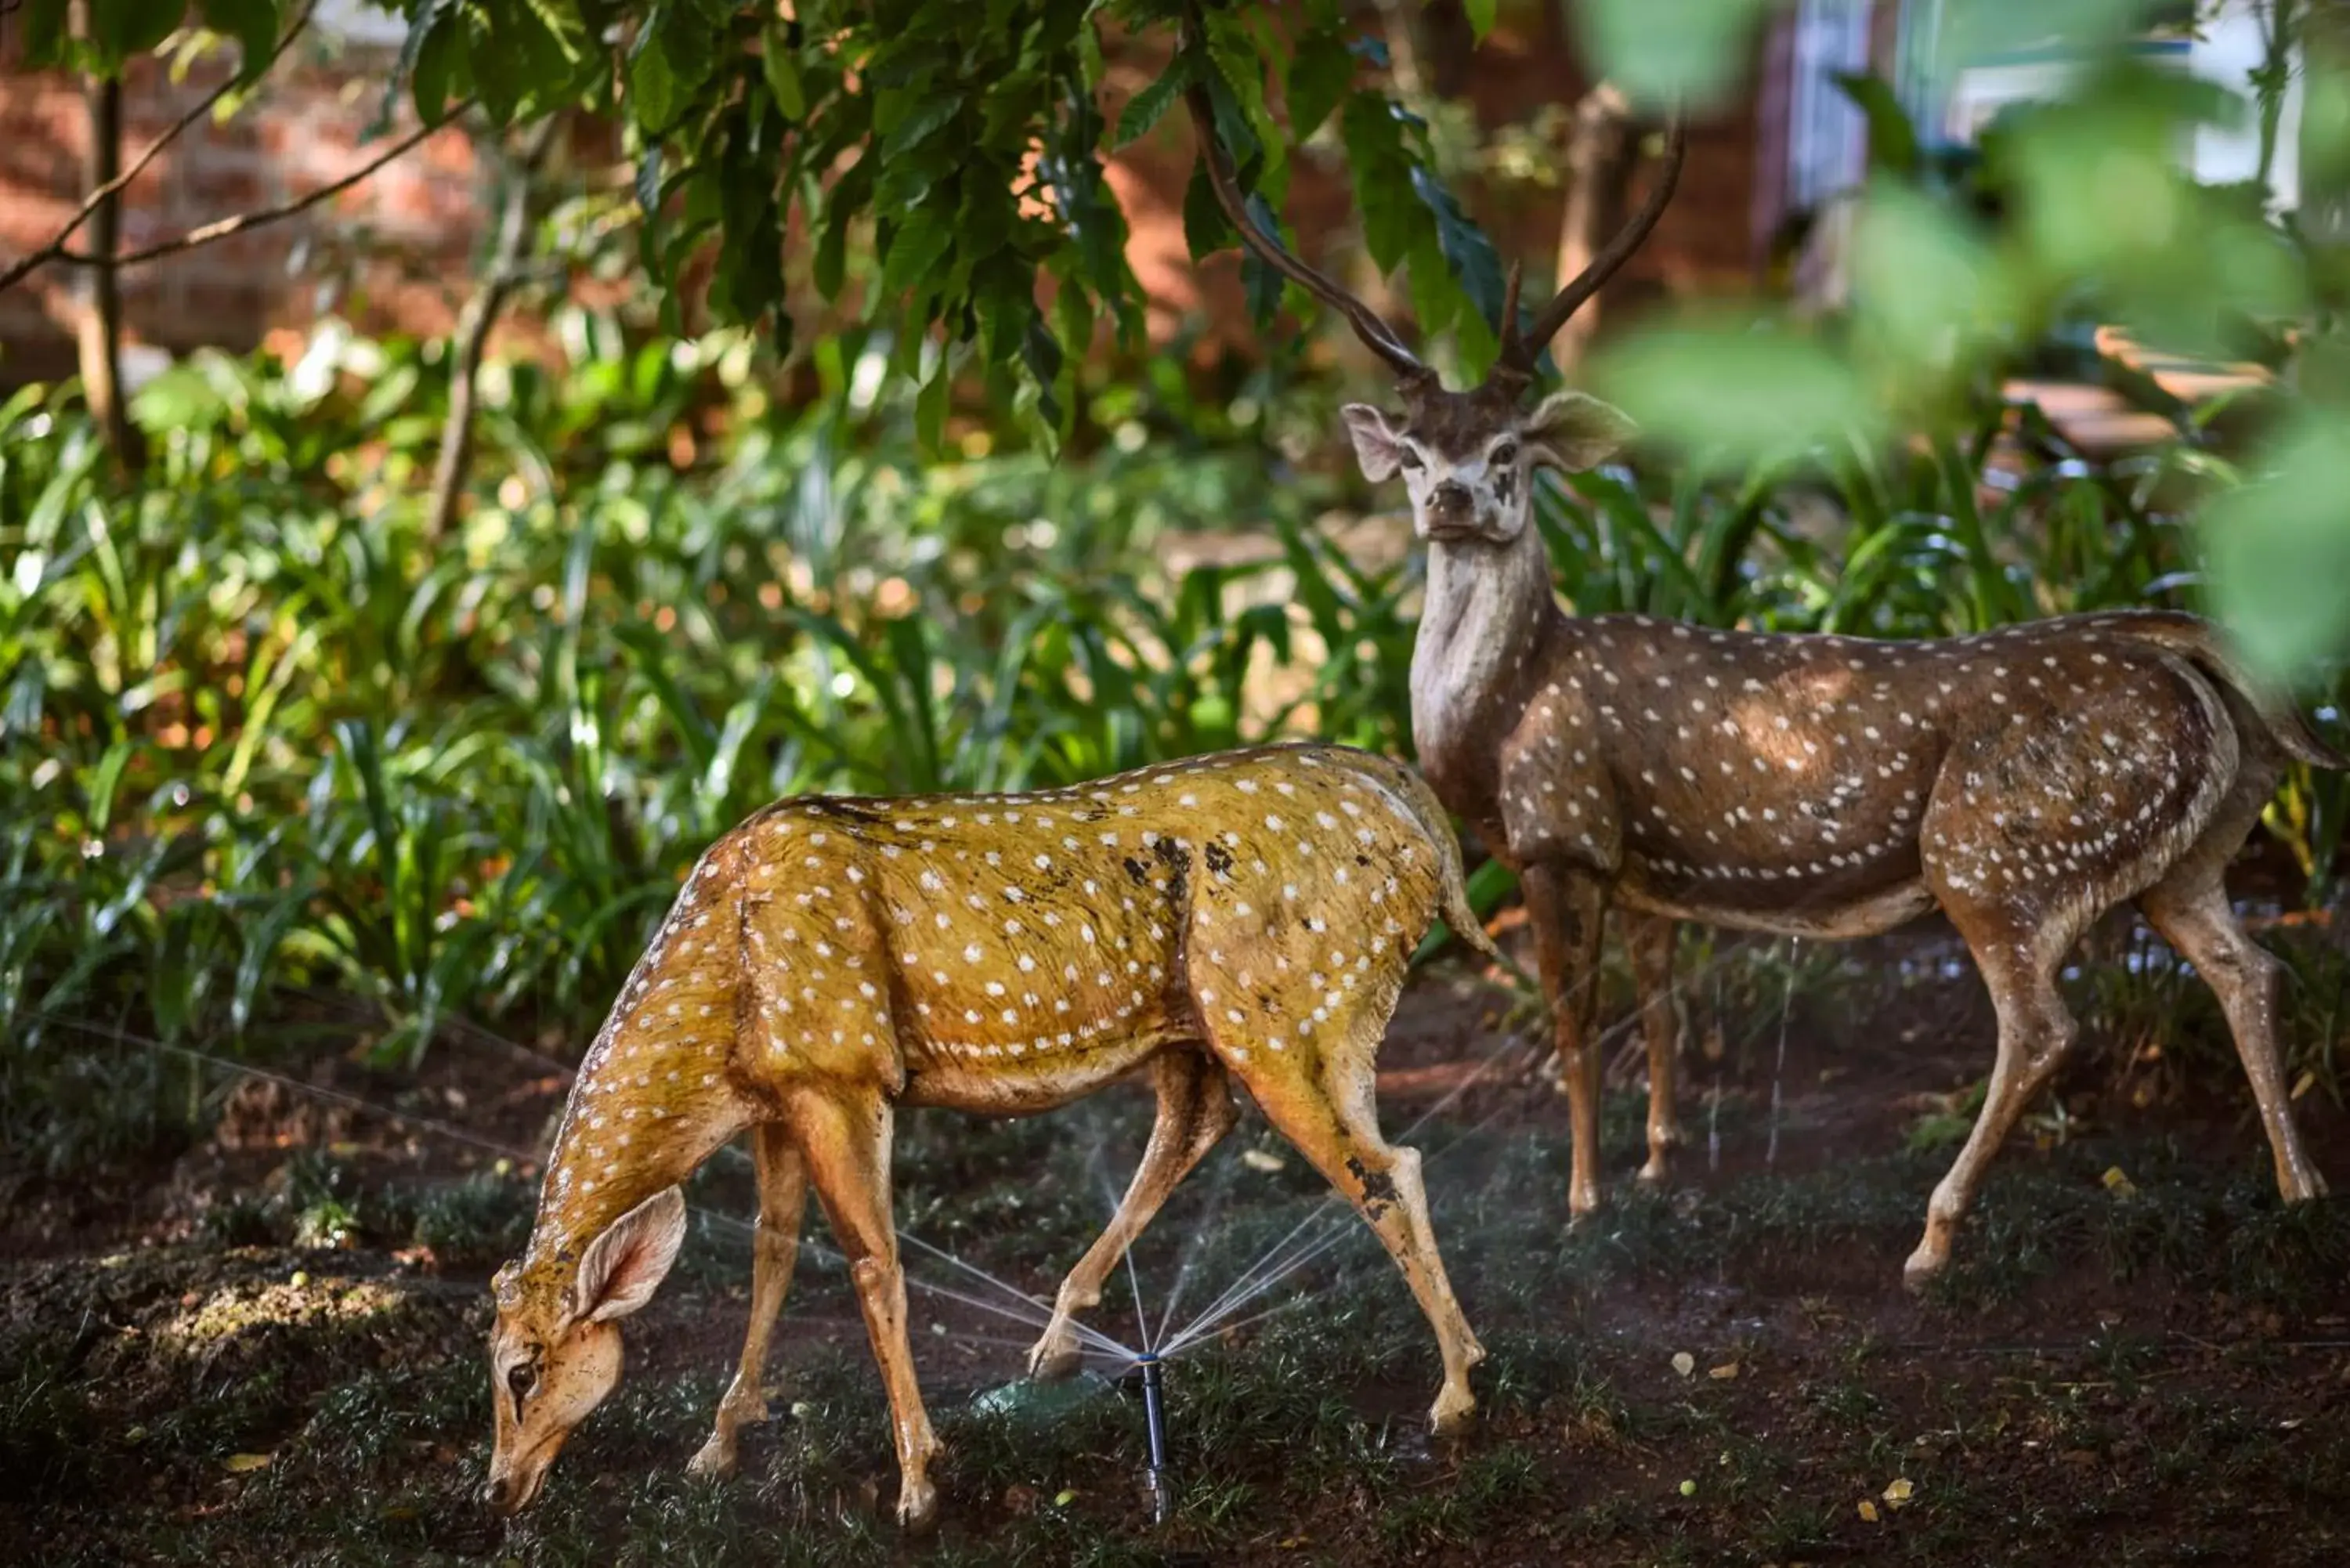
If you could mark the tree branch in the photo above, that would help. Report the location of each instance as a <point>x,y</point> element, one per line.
<point>223,228</point>
<point>474,335</point>
<point>55,247</point>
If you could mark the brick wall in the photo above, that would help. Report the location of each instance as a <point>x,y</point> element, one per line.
<point>394,251</point>
<point>397,252</point>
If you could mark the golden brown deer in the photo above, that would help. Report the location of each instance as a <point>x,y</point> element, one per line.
<point>1247,915</point>
<point>2025,781</point>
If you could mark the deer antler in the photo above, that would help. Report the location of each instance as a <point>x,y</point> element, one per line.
<point>1376,334</point>
<point>1520,347</point>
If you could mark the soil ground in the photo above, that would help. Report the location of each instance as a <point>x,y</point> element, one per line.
<point>267,1349</point>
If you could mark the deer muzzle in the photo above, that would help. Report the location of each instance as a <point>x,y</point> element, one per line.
<point>1451,512</point>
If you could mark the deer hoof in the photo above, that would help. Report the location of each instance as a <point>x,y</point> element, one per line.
<point>1923,1266</point>
<point>1455,1412</point>
<point>918,1506</point>
<point>714,1460</point>
<point>1056,1355</point>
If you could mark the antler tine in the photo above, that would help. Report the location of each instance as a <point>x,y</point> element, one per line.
<point>1519,349</point>
<point>1376,334</point>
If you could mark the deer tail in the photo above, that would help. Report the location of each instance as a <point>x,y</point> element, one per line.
<point>2199,641</point>
<point>1452,880</point>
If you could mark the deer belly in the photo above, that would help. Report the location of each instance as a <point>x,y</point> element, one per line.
<point>1010,1085</point>
<point>1830,913</point>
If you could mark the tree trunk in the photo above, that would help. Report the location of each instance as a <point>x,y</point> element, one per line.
<point>475,325</point>
<point>98,292</point>
<point>1600,152</point>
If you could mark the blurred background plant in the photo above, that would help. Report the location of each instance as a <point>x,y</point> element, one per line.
<point>286,709</point>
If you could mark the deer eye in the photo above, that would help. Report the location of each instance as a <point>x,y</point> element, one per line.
<point>1411,460</point>
<point>1505,454</point>
<point>521,1378</point>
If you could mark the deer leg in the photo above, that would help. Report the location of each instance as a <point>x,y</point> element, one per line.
<point>774,1249</point>
<point>1325,1110</point>
<point>2191,908</point>
<point>2035,1030</point>
<point>1195,1112</point>
<point>1649,939</point>
<point>1567,906</point>
<point>846,1144</point>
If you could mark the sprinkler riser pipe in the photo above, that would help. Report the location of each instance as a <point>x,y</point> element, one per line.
<point>1154,1418</point>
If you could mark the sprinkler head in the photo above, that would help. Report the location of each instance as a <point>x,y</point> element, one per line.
<point>1154,1418</point>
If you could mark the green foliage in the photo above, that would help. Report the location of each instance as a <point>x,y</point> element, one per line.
<point>2073,213</point>
<point>260,731</point>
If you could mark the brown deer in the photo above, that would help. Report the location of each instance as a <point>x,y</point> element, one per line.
<point>1247,915</point>
<point>2024,781</point>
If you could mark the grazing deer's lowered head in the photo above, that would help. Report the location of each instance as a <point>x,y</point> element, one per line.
<point>555,1353</point>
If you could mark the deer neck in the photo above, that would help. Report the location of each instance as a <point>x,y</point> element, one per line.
<point>633,1127</point>
<point>1486,630</point>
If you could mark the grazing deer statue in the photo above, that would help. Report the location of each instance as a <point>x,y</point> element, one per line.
<point>2025,781</point>
<point>1247,915</point>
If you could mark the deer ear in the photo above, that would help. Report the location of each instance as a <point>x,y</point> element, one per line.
<point>623,1267</point>
<point>1574,431</point>
<point>1379,445</point>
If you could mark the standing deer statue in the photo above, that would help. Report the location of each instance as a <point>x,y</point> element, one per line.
<point>1247,915</point>
<point>2026,782</point>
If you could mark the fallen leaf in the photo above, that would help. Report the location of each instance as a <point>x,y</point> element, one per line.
<point>2306,1082</point>
<point>1684,1363</point>
<point>2119,1184</point>
<point>1897,1491</point>
<point>1868,1511</point>
<point>1064,1498</point>
<point>1688,1488</point>
<point>1724,1372</point>
<point>237,1464</point>
<point>1264,1159</point>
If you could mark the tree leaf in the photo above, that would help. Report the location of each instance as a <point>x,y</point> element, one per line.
<point>1320,72</point>
<point>2277,552</point>
<point>1659,50</point>
<point>420,28</point>
<point>1748,393</point>
<point>1892,138</point>
<point>1382,172</point>
<point>1468,253</point>
<point>1260,282</point>
<point>1205,228</point>
<point>654,91</point>
<point>920,238</point>
<point>780,63</point>
<point>1147,108</point>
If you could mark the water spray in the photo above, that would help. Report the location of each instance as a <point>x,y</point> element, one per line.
<point>1154,1419</point>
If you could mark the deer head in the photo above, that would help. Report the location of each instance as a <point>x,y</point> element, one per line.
<point>1467,458</point>
<point>555,1352</point>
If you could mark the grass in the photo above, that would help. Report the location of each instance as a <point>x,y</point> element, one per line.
<point>2158,1334</point>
